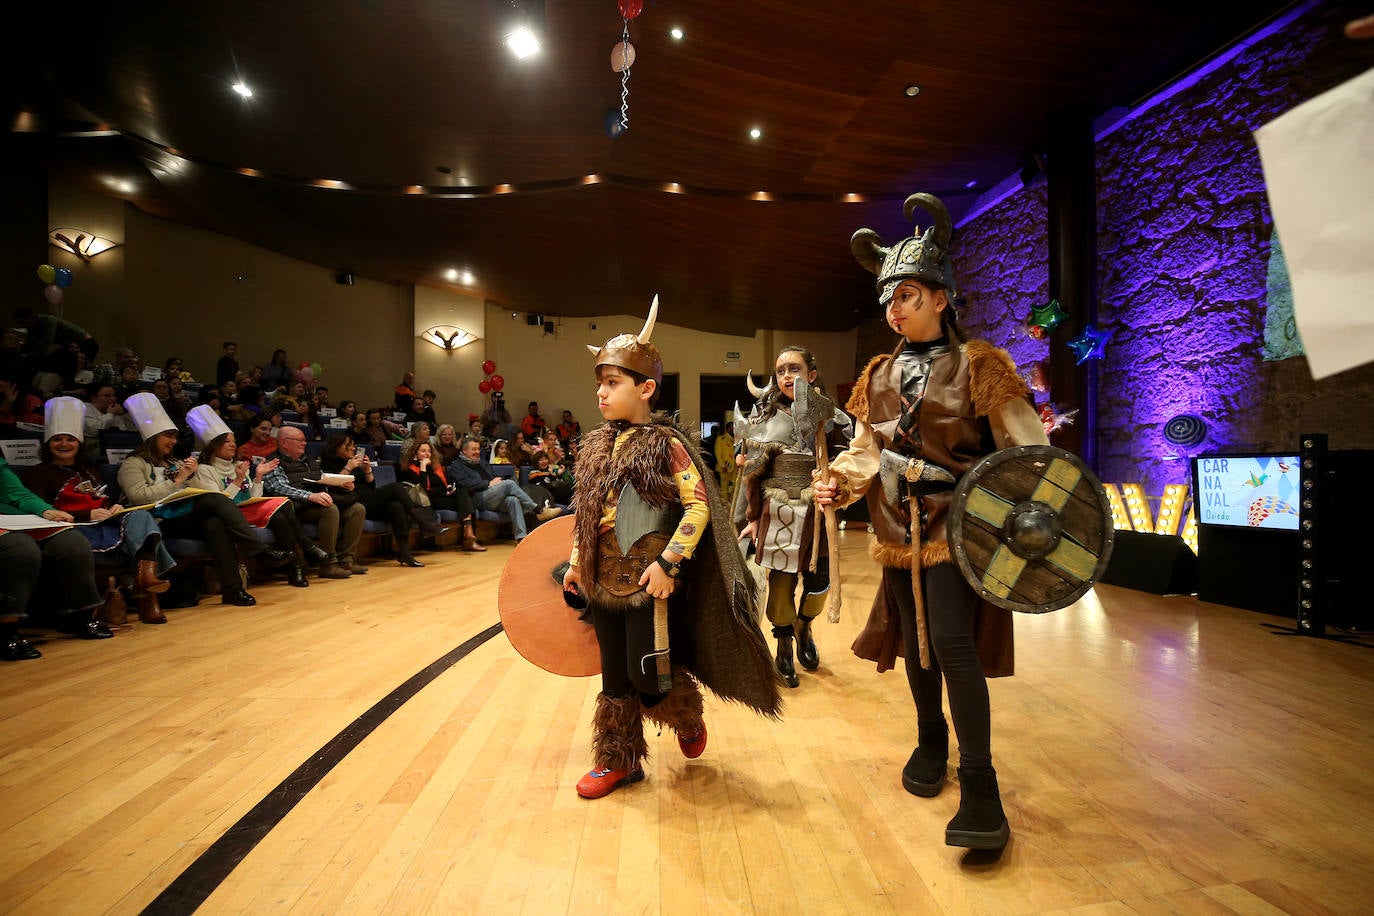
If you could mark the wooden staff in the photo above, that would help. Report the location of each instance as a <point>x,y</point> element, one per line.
<point>832,532</point>
<point>665,667</point>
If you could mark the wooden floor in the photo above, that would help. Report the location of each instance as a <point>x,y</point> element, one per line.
<point>1155,755</point>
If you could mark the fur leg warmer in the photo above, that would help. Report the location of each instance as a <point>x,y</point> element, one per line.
<point>617,733</point>
<point>681,708</point>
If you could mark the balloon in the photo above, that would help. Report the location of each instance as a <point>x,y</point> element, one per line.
<point>53,293</point>
<point>497,383</point>
<point>484,386</point>
<point>62,277</point>
<point>1039,376</point>
<point>1048,316</point>
<point>306,375</point>
<point>317,369</point>
<point>1091,344</point>
<point>47,273</point>
<point>630,9</point>
<point>622,57</point>
<point>488,367</point>
<point>304,364</point>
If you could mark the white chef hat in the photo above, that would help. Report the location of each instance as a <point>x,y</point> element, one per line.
<point>64,416</point>
<point>206,424</point>
<point>148,414</point>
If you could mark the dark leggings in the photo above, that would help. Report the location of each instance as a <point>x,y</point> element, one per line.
<point>390,504</point>
<point>215,520</point>
<point>624,640</point>
<point>286,528</point>
<point>459,501</point>
<point>950,607</point>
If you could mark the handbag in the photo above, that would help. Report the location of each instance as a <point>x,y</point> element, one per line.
<point>417,495</point>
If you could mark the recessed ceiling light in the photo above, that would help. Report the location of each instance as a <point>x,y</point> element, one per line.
<point>676,33</point>
<point>972,184</point>
<point>755,133</point>
<point>467,277</point>
<point>523,42</point>
<point>243,90</point>
<point>451,274</point>
<point>912,91</point>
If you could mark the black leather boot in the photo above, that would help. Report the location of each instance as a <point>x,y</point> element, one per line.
<point>295,575</point>
<point>784,660</point>
<point>980,823</point>
<point>924,773</point>
<point>807,653</point>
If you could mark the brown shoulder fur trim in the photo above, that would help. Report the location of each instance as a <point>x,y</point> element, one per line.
<point>858,399</point>
<point>992,377</point>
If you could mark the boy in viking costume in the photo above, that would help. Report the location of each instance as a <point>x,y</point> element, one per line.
<point>782,443</point>
<point>925,414</point>
<point>669,597</point>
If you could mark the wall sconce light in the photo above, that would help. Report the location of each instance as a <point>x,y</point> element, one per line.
<point>447,337</point>
<point>85,245</point>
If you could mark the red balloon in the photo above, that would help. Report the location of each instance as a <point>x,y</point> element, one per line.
<point>488,367</point>
<point>304,364</point>
<point>497,383</point>
<point>630,9</point>
<point>484,386</point>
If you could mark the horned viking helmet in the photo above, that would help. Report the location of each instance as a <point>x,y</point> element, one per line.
<point>920,257</point>
<point>634,352</point>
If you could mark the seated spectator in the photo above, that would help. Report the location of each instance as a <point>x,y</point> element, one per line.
<point>72,483</point>
<point>421,412</point>
<point>488,491</point>
<point>262,442</point>
<point>358,429</point>
<point>388,503</point>
<point>150,475</point>
<point>568,429</point>
<point>63,551</point>
<point>533,424</point>
<point>376,434</point>
<point>309,417</point>
<point>418,432</point>
<point>500,453</point>
<point>129,383</point>
<point>521,451</point>
<point>320,395</point>
<point>103,412</point>
<point>241,482</point>
<point>227,369</point>
<point>113,373</point>
<point>419,468</point>
<point>346,410</point>
<point>254,378</point>
<point>44,334</point>
<point>174,369</point>
<point>163,392</point>
<point>554,478</point>
<point>405,392</point>
<point>340,524</point>
<point>177,394</point>
<point>16,404</point>
<point>277,373</point>
<point>550,445</point>
<point>445,444</point>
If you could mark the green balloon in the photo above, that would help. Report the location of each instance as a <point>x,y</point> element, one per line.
<point>317,369</point>
<point>47,273</point>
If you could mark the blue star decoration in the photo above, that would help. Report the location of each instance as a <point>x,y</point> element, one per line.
<point>1091,344</point>
<point>1048,316</point>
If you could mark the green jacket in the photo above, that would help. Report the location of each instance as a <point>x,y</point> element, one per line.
<point>15,498</point>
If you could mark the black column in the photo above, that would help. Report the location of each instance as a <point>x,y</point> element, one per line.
<point>1070,168</point>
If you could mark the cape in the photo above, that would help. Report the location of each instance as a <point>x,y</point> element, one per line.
<point>713,615</point>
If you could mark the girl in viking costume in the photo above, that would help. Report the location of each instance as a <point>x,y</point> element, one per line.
<point>777,483</point>
<point>925,414</point>
<point>668,595</point>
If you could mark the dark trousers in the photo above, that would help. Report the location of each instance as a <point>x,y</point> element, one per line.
<point>215,520</point>
<point>460,501</point>
<point>391,504</point>
<point>65,556</point>
<point>286,528</point>
<point>950,607</point>
<point>625,640</point>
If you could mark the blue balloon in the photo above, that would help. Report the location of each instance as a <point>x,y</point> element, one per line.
<point>63,277</point>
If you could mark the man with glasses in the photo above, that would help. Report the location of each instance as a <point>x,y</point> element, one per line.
<point>339,530</point>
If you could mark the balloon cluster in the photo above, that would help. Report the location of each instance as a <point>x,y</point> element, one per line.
<point>622,59</point>
<point>492,382</point>
<point>55,279</point>
<point>309,373</point>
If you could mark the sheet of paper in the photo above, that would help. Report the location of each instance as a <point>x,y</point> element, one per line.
<point>28,523</point>
<point>1317,164</point>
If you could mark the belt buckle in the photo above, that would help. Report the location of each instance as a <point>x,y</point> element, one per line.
<point>914,468</point>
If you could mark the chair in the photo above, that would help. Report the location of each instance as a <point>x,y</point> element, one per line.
<point>391,452</point>
<point>121,441</point>
<point>290,416</point>
<point>314,449</point>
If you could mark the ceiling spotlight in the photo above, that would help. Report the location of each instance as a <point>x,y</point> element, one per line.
<point>675,33</point>
<point>755,133</point>
<point>451,274</point>
<point>243,90</point>
<point>912,91</point>
<point>972,184</point>
<point>467,277</point>
<point>523,42</point>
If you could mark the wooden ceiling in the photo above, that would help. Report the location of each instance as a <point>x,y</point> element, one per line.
<point>382,94</point>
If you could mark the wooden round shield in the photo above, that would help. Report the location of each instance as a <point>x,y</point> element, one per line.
<point>539,623</point>
<point>1031,528</point>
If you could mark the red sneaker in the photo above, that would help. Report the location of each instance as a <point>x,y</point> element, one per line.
<point>695,746</point>
<point>600,783</point>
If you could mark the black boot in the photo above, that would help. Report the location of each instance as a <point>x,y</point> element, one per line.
<point>807,653</point>
<point>924,773</point>
<point>295,575</point>
<point>784,661</point>
<point>980,823</point>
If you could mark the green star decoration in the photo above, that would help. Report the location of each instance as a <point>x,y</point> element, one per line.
<point>1048,316</point>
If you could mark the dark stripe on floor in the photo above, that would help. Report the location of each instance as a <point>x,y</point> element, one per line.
<point>208,871</point>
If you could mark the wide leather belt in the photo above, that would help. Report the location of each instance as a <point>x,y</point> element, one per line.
<point>791,474</point>
<point>619,573</point>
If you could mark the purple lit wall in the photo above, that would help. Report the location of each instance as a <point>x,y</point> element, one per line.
<point>1183,241</point>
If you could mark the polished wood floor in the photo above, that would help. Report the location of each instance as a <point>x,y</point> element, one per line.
<point>1155,755</point>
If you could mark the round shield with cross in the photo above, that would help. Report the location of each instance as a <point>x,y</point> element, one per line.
<point>1030,528</point>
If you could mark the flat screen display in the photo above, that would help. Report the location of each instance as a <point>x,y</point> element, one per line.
<point>1247,491</point>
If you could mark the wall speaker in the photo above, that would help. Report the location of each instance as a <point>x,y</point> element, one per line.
<point>1161,564</point>
<point>344,278</point>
